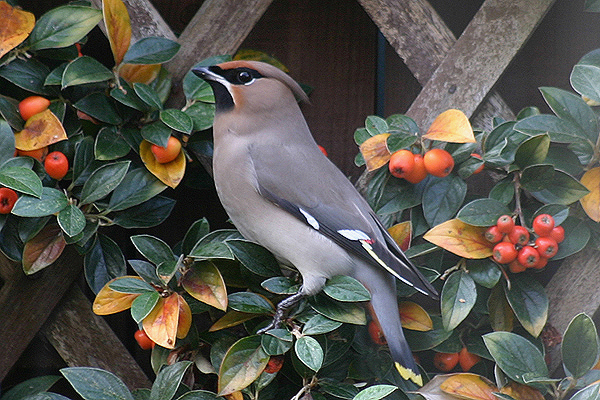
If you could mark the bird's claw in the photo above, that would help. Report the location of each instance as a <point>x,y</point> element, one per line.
<point>281,311</point>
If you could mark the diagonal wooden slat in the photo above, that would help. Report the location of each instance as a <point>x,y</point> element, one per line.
<point>422,39</point>
<point>479,57</point>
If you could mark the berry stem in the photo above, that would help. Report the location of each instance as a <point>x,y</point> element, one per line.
<point>518,206</point>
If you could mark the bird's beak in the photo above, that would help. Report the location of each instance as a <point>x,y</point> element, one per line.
<point>206,74</point>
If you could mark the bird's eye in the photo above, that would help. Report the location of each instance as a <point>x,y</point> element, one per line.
<point>244,77</point>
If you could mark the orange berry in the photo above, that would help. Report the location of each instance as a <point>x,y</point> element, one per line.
<point>541,263</point>
<point>493,235</point>
<point>167,154</point>
<point>143,340</point>
<point>401,164</point>
<point>546,246</point>
<point>480,168</point>
<point>376,333</point>
<point>558,234</point>
<point>504,252</point>
<point>32,105</point>
<point>38,154</point>
<point>516,267</point>
<point>467,359</point>
<point>528,257</point>
<point>419,172</point>
<point>323,150</point>
<point>519,235</point>
<point>505,224</point>
<point>274,365</point>
<point>56,165</point>
<point>8,197</point>
<point>445,361</point>
<point>543,224</point>
<point>438,162</point>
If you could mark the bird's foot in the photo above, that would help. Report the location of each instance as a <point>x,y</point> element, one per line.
<point>281,311</point>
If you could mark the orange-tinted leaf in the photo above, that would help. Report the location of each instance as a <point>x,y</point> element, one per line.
<point>15,27</point>
<point>108,301</point>
<point>591,201</point>
<point>401,233</point>
<point>451,126</point>
<point>185,318</point>
<point>464,240</point>
<point>519,391</point>
<point>41,130</point>
<point>231,318</point>
<point>234,396</point>
<point>375,151</point>
<point>502,317</point>
<point>431,390</point>
<point>161,324</point>
<point>170,173</point>
<point>118,27</point>
<point>414,317</point>
<point>139,73</point>
<point>469,386</point>
<point>43,249</point>
<point>203,281</point>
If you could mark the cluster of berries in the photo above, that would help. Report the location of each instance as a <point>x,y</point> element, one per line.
<point>515,247</point>
<point>415,167</point>
<point>447,361</point>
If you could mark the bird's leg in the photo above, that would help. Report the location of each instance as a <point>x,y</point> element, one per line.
<point>282,309</point>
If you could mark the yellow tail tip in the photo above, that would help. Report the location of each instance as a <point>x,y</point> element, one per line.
<point>409,374</point>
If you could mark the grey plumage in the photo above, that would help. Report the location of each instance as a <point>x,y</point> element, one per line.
<point>282,192</point>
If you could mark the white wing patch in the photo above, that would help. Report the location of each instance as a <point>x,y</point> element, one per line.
<point>310,219</point>
<point>354,234</point>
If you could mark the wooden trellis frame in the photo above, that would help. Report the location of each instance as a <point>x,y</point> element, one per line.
<point>454,73</point>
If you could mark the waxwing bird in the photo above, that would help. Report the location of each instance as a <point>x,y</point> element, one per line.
<point>283,193</point>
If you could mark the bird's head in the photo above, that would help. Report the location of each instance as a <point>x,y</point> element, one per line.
<point>250,86</point>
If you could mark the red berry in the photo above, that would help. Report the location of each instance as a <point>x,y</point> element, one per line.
<point>541,263</point>
<point>504,252</point>
<point>143,340</point>
<point>445,361</point>
<point>402,163</point>
<point>56,165</point>
<point>493,235</point>
<point>516,267</point>
<point>519,235</point>
<point>467,359</point>
<point>376,333</point>
<point>546,246</point>
<point>8,197</point>
<point>274,365</point>
<point>543,224</point>
<point>558,234</point>
<point>505,224</point>
<point>528,257</point>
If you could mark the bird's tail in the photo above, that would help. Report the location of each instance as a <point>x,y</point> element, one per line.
<point>384,307</point>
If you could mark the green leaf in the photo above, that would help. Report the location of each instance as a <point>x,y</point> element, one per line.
<point>157,133</point>
<point>84,162</point>
<point>580,346</point>
<point>154,249</point>
<point>151,50</point>
<point>148,214</point>
<point>346,289</point>
<point>167,269</point>
<point>319,324</point>
<point>84,70</point>
<point>128,284</point>
<point>146,271</point>
<point>22,180</point>
<point>197,231</point>
<point>63,26</point>
<point>51,202</point>
<point>138,186</point>
<point>213,245</point>
<point>592,6</point>
<point>251,303</point>
<point>96,384</point>
<point>564,190</point>
<point>27,74</point>
<point>103,181</point>
<point>503,191</point>
<point>280,285</point>
<point>148,95</point>
<point>482,212</point>
<point>126,95</point>
<point>10,112</point>
<point>442,198</point>
<point>100,107</point>
<point>375,392</point>
<point>71,220</point>
<point>254,257</point>
<point>458,298</point>
<point>110,145</point>
<point>559,130</point>
<point>199,395</point>
<point>585,75</point>
<point>402,123</point>
<point>177,120</point>
<point>103,262</point>
<point>577,235</point>
<point>202,115</point>
<point>276,341</point>
<point>168,380</point>
<point>516,356</point>
<point>309,351</point>
<point>350,313</point>
<point>528,300</point>
<point>143,305</point>
<point>537,177</point>
<point>397,141</point>
<point>242,364</point>
<point>564,159</point>
<point>484,272</point>
<point>532,151</point>
<point>382,193</point>
<point>376,125</point>
<point>30,387</point>
<point>571,107</point>
<point>590,392</point>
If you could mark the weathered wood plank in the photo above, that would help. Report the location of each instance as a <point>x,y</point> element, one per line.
<point>479,57</point>
<point>422,39</point>
<point>28,301</point>
<point>85,339</point>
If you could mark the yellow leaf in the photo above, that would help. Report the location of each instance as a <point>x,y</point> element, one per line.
<point>231,318</point>
<point>43,249</point>
<point>15,27</point>
<point>502,317</point>
<point>461,239</point>
<point>451,126</point>
<point>521,392</point>
<point>108,301</point>
<point>185,318</point>
<point>118,27</point>
<point>414,317</point>
<point>161,324</point>
<point>469,386</point>
<point>139,73</point>
<point>401,233</point>
<point>170,173</point>
<point>375,151</point>
<point>41,130</point>
<point>204,282</point>
<point>591,201</point>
